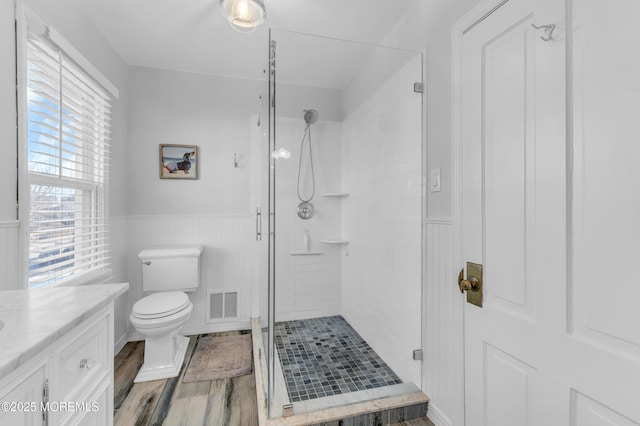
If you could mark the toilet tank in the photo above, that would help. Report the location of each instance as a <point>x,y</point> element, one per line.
<point>171,268</point>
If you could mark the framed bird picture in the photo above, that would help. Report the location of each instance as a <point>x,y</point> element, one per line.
<point>178,161</point>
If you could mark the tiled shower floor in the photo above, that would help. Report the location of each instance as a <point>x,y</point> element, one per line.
<point>325,356</point>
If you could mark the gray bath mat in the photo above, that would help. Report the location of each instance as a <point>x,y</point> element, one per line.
<point>220,358</point>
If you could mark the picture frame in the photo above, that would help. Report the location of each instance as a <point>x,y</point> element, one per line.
<point>178,161</point>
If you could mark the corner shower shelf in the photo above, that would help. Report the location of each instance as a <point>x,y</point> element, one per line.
<point>306,253</point>
<point>334,241</point>
<point>336,194</point>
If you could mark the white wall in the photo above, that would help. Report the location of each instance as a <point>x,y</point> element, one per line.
<point>189,109</point>
<point>293,99</point>
<point>7,112</point>
<point>8,137</point>
<point>428,26</point>
<point>382,218</point>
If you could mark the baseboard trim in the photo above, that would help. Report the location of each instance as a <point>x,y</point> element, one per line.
<point>134,336</point>
<point>120,343</point>
<point>437,416</point>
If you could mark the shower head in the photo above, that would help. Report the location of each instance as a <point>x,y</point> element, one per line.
<point>311,116</point>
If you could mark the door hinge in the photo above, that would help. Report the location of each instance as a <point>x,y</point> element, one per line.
<point>45,403</point>
<point>417,355</point>
<point>418,87</point>
<point>287,410</point>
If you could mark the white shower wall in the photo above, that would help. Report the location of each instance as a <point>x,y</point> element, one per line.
<point>308,285</point>
<point>382,168</point>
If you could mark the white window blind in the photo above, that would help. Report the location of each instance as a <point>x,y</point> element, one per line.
<point>68,143</point>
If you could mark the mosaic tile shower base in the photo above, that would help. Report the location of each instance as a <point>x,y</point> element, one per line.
<point>325,356</point>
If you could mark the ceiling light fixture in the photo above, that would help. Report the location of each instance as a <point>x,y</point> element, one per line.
<point>244,15</point>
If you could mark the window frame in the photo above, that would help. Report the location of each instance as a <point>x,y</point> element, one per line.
<point>100,191</point>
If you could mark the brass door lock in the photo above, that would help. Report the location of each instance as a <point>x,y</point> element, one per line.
<point>473,284</point>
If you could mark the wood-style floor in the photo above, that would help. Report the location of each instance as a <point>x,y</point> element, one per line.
<point>172,402</point>
<point>229,402</point>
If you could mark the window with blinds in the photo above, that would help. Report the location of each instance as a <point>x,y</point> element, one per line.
<point>68,128</point>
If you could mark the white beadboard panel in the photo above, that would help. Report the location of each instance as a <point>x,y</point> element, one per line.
<point>9,256</point>
<point>120,322</point>
<point>308,286</point>
<point>441,369</point>
<point>119,240</point>
<point>225,261</point>
<point>382,219</point>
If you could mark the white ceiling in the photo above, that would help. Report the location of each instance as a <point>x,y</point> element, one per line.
<point>191,35</point>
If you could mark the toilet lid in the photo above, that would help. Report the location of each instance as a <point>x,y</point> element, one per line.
<point>160,304</point>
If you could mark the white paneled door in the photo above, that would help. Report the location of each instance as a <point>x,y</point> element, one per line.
<point>549,204</point>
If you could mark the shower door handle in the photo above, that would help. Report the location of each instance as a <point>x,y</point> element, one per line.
<point>258,224</point>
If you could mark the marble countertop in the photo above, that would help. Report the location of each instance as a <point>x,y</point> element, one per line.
<point>35,319</point>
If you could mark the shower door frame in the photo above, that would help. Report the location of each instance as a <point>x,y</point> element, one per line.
<point>271,304</point>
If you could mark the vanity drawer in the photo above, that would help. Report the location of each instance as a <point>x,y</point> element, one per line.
<point>83,362</point>
<point>96,409</point>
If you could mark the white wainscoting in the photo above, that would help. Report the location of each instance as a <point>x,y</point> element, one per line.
<point>121,322</point>
<point>442,369</point>
<point>9,255</point>
<point>227,262</point>
<point>118,225</point>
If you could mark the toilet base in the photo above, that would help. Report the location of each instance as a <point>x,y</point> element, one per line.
<point>150,371</point>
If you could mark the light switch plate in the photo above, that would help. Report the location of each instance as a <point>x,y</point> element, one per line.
<point>435,184</point>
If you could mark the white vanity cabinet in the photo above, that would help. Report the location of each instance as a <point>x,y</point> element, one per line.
<point>69,383</point>
<point>21,397</point>
<point>58,369</point>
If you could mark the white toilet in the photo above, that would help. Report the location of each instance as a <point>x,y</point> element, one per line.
<point>166,273</point>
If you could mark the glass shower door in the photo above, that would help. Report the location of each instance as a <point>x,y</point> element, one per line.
<point>344,222</point>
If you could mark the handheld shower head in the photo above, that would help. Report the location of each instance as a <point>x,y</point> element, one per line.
<point>305,209</point>
<point>311,116</point>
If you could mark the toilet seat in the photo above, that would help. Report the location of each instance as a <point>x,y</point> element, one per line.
<point>160,305</point>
